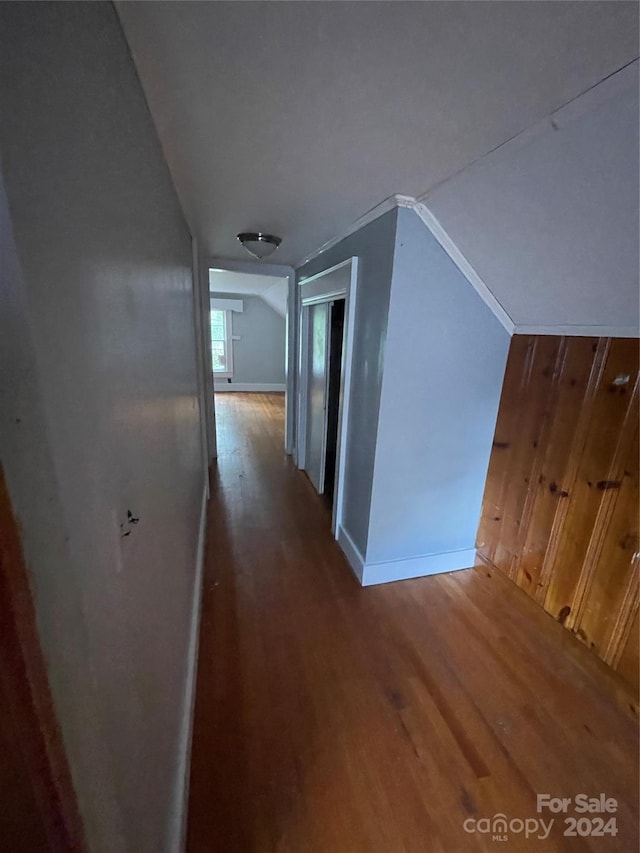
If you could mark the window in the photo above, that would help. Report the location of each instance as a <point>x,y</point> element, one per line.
<point>221,352</point>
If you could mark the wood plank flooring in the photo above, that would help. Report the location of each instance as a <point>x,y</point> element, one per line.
<point>335,719</point>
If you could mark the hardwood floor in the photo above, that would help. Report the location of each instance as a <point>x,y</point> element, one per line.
<point>335,719</point>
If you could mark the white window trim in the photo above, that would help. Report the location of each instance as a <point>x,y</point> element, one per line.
<point>228,373</point>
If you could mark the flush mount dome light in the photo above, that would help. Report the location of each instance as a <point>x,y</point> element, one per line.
<point>258,244</point>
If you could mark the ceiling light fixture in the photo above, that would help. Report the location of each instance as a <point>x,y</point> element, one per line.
<point>258,244</point>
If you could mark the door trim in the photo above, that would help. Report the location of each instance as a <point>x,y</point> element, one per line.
<point>308,321</point>
<point>25,685</point>
<point>291,333</point>
<point>336,282</point>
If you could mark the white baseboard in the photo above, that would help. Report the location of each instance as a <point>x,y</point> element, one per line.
<point>351,552</point>
<point>178,840</point>
<point>369,574</point>
<point>265,387</point>
<point>416,567</point>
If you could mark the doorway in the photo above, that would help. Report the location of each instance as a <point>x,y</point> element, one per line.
<point>240,353</point>
<point>248,331</point>
<point>334,373</point>
<point>326,330</point>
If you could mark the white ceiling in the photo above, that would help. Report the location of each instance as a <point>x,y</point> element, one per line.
<point>272,289</point>
<point>297,117</point>
<point>550,221</point>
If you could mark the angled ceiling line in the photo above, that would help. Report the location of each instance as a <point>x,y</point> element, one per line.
<point>608,87</point>
<point>605,89</point>
<point>274,307</point>
<point>273,293</point>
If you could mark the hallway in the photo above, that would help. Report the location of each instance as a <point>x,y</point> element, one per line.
<point>335,719</point>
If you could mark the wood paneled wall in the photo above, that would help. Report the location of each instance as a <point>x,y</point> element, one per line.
<point>560,510</point>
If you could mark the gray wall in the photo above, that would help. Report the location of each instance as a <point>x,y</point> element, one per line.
<point>98,409</point>
<point>259,355</point>
<point>374,247</point>
<point>443,371</point>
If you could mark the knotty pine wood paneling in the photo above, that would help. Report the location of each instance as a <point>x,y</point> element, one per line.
<point>560,509</point>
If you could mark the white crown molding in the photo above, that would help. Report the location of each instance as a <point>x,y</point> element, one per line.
<point>597,331</point>
<point>385,206</point>
<point>428,218</point>
<point>404,201</point>
<point>436,229</point>
<point>441,235</point>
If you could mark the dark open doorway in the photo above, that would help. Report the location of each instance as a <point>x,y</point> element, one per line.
<point>336,332</point>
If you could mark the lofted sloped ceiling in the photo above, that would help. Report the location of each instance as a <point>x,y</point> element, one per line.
<point>550,220</point>
<point>271,289</point>
<point>298,117</point>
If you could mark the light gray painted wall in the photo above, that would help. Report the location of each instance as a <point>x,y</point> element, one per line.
<point>27,459</point>
<point>550,222</point>
<point>443,371</point>
<point>374,246</point>
<point>99,406</point>
<point>259,355</point>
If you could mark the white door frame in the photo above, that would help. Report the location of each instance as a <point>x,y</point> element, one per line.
<point>281,271</point>
<point>307,325</point>
<point>202,324</point>
<point>337,282</point>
